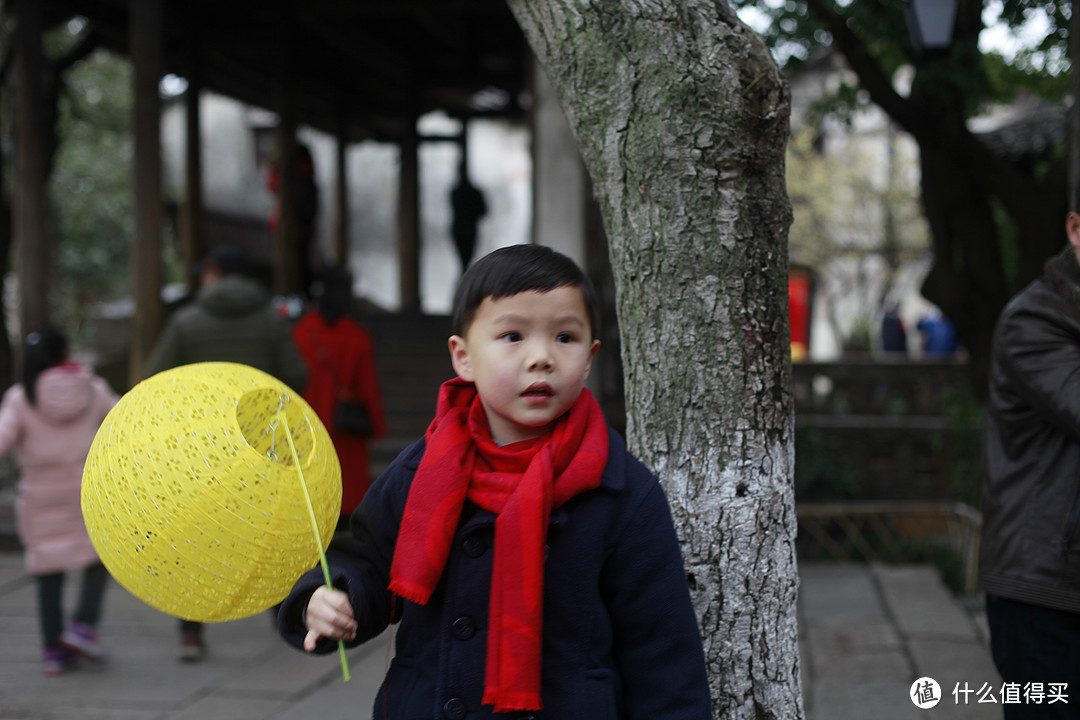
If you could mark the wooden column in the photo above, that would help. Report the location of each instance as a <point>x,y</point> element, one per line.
<point>192,220</point>
<point>409,221</point>
<point>29,212</point>
<point>341,198</point>
<point>286,253</point>
<point>145,38</point>
<point>287,241</point>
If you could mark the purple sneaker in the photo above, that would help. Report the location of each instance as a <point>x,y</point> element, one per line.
<point>83,640</point>
<point>58,661</point>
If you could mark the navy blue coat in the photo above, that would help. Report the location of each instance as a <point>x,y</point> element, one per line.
<point>620,636</point>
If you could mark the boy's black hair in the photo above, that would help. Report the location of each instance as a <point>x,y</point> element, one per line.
<point>42,348</point>
<point>516,269</point>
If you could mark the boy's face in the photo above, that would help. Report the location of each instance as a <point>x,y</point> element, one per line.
<point>529,355</point>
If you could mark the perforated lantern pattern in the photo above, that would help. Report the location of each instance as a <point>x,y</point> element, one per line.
<point>191,496</point>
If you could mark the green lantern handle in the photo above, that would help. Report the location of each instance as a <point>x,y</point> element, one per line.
<point>318,536</point>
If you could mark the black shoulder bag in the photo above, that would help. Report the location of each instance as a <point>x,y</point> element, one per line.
<point>350,416</point>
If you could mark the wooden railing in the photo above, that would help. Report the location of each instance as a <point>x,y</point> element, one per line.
<point>891,532</point>
<point>868,386</point>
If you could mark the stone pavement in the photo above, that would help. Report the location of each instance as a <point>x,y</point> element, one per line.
<point>866,633</point>
<point>249,672</point>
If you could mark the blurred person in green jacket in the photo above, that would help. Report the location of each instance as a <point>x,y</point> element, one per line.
<point>232,319</point>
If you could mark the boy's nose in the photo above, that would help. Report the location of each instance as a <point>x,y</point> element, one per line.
<point>539,357</point>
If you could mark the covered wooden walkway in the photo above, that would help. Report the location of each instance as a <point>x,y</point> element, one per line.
<point>356,69</point>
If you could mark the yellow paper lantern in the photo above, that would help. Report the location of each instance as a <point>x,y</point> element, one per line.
<point>191,496</point>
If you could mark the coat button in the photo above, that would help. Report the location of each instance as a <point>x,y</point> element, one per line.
<point>454,709</point>
<point>474,546</point>
<point>463,628</point>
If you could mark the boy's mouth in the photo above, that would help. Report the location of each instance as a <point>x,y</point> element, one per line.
<point>539,389</point>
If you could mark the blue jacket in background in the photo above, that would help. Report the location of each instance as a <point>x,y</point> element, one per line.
<point>939,336</point>
<point>620,636</point>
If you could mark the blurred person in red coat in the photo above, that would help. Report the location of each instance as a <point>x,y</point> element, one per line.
<point>341,365</point>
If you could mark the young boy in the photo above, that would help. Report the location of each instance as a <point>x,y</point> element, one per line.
<point>531,560</point>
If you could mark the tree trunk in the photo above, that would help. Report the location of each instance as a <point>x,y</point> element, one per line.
<point>682,118</point>
<point>966,280</point>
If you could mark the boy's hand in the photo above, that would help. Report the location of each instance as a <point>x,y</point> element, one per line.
<point>328,615</point>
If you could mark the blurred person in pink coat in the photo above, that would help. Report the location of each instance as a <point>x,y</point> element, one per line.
<point>49,420</point>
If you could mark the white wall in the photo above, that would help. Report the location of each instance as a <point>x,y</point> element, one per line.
<point>560,176</point>
<point>500,165</point>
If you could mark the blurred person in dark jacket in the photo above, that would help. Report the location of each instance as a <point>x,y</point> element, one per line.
<point>468,205</point>
<point>1030,551</point>
<point>893,335</point>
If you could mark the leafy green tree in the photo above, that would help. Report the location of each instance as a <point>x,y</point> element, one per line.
<point>91,188</point>
<point>993,220</point>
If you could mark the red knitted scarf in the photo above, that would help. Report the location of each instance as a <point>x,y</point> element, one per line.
<point>520,483</point>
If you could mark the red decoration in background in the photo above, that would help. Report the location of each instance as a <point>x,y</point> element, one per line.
<point>799,287</point>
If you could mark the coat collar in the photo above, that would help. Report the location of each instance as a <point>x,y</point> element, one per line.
<point>1062,274</point>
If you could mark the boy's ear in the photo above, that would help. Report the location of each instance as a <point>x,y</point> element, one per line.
<point>459,358</point>
<point>592,354</point>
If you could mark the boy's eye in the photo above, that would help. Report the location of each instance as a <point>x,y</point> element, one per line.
<point>564,338</point>
<point>511,337</point>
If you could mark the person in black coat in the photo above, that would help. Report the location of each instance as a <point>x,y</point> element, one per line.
<point>1029,560</point>
<point>532,562</point>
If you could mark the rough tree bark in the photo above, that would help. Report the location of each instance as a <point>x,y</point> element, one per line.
<point>681,117</point>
